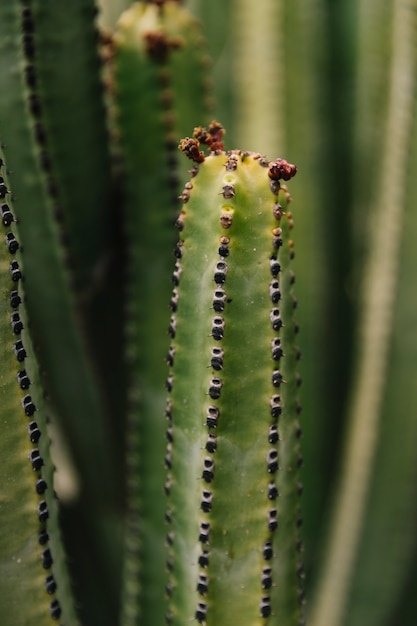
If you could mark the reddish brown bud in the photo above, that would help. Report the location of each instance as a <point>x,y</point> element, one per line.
<point>281,170</point>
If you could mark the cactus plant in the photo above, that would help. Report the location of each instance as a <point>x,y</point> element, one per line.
<point>180,452</point>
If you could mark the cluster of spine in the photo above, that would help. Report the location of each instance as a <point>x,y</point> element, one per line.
<point>212,408</point>
<point>39,131</point>
<point>28,405</point>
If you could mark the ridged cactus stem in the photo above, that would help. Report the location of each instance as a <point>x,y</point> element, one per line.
<point>233,451</point>
<point>34,586</point>
<point>159,75</point>
<point>378,298</point>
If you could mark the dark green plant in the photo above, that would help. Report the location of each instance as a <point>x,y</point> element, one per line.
<point>181,427</point>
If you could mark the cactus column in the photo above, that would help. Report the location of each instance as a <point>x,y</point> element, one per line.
<point>233,451</point>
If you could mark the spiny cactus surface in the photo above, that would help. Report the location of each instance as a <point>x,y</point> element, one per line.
<point>34,587</point>
<point>233,452</point>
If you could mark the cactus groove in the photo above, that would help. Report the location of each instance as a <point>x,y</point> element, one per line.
<point>232,453</point>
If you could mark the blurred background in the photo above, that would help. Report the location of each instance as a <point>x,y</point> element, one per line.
<point>331,86</point>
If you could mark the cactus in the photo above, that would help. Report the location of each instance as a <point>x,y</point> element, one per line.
<point>182,426</point>
<point>31,549</point>
<point>232,407</point>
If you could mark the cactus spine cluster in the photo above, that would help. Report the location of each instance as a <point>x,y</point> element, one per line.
<point>233,452</point>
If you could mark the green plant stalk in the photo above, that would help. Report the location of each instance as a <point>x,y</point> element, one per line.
<point>159,79</point>
<point>233,540</point>
<point>64,38</point>
<point>35,588</point>
<point>378,302</point>
<point>51,303</point>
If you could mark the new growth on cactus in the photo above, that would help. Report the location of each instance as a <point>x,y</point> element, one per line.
<point>233,449</point>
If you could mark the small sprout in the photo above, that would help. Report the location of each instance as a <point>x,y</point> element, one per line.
<point>281,170</point>
<point>211,137</point>
<point>190,147</point>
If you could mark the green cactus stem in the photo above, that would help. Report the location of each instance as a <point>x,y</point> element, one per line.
<point>51,303</point>
<point>159,73</point>
<point>233,453</point>
<point>34,590</point>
